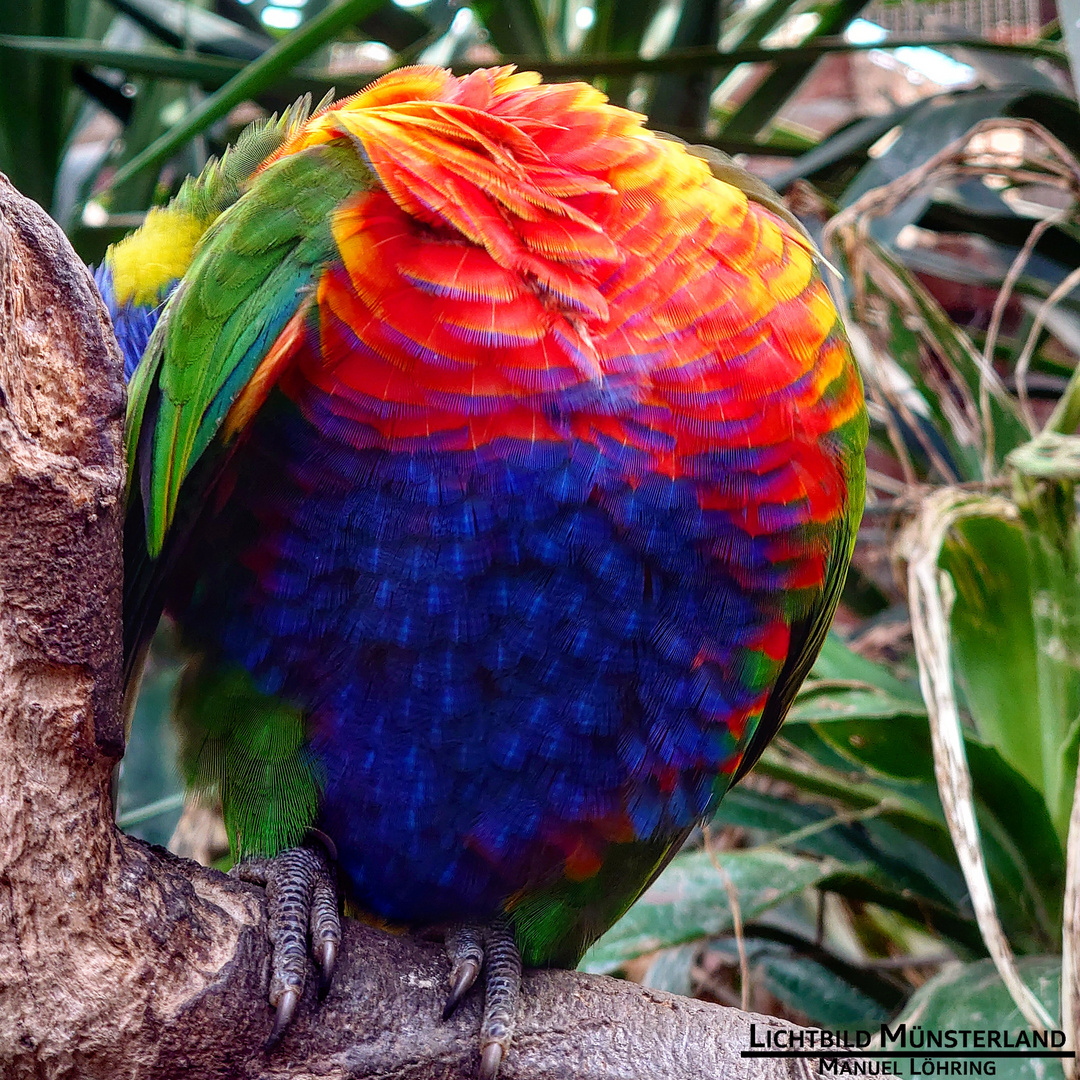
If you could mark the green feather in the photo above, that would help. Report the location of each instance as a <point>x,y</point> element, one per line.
<point>223,181</point>
<point>205,197</point>
<point>555,924</point>
<point>249,277</point>
<point>250,749</point>
<point>145,264</point>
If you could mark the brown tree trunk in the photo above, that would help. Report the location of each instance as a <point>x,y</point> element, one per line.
<point>118,959</point>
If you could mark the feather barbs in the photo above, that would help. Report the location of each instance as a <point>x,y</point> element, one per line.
<point>146,263</point>
<point>508,256</point>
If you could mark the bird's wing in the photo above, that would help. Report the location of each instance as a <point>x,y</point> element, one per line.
<point>808,632</point>
<point>807,636</point>
<point>225,335</point>
<point>232,316</point>
<point>228,332</point>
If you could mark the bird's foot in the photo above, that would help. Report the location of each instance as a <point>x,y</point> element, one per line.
<point>492,948</point>
<point>301,895</point>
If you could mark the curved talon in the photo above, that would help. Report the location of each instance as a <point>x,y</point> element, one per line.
<point>302,920</point>
<point>465,947</point>
<point>491,1057</point>
<point>325,927</point>
<point>326,957</point>
<point>470,948</point>
<point>286,1010</point>
<point>461,980</point>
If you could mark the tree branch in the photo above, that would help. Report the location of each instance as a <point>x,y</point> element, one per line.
<point>118,959</point>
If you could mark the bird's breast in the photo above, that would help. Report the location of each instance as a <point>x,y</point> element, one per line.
<point>552,470</point>
<point>510,655</point>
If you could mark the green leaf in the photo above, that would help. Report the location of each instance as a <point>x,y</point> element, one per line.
<point>689,901</point>
<point>900,857</point>
<point>1049,456</point>
<point>36,98</point>
<point>833,163</point>
<point>682,100</point>
<point>854,717</point>
<point>991,618</point>
<point>153,97</point>
<point>160,63</point>
<point>519,26</point>
<point>885,730</point>
<point>1017,598</point>
<point>837,662</point>
<point>778,87</point>
<point>821,995</point>
<point>1024,854</point>
<point>671,968</point>
<point>944,118</point>
<point>185,25</point>
<point>816,769</point>
<point>620,28</point>
<point>891,740</point>
<point>973,997</point>
<point>257,76</point>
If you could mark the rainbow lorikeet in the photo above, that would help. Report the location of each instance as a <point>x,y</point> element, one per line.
<point>500,462</point>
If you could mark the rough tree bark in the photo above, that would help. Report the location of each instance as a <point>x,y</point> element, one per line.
<point>118,959</point>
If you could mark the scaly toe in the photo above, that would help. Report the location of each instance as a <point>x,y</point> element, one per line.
<point>301,897</point>
<point>471,948</point>
<point>465,947</point>
<point>502,982</point>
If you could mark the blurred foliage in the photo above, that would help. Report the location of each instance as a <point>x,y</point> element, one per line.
<point>149,789</point>
<point>828,887</point>
<point>950,1000</point>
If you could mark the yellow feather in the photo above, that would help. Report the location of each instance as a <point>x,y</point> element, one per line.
<point>146,261</point>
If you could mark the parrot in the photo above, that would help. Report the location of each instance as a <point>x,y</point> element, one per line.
<point>499,462</point>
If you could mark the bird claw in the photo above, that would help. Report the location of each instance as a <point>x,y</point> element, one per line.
<point>461,980</point>
<point>301,900</point>
<point>326,957</point>
<point>490,1060</point>
<point>286,1010</point>
<point>493,949</point>
<point>465,947</point>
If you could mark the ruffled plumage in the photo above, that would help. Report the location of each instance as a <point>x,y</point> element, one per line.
<point>520,455</point>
